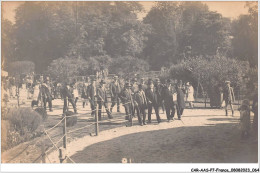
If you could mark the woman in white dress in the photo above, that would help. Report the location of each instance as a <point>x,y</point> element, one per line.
<point>190,94</point>
<point>23,94</point>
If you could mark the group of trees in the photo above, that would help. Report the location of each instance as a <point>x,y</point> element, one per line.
<point>79,38</point>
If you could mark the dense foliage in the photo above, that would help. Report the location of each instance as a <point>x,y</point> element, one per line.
<point>81,36</point>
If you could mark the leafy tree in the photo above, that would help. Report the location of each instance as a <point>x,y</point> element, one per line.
<point>245,33</point>
<point>127,66</point>
<point>8,43</point>
<point>20,67</point>
<point>210,70</point>
<point>63,68</point>
<point>178,25</point>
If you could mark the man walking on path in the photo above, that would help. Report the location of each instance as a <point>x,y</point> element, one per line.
<point>115,89</point>
<point>152,96</point>
<point>229,97</point>
<point>141,104</point>
<point>91,93</point>
<point>102,100</point>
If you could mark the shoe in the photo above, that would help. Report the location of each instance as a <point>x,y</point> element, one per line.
<point>149,122</point>
<point>141,124</point>
<point>51,110</point>
<point>159,121</point>
<point>110,117</point>
<point>144,123</point>
<point>179,118</point>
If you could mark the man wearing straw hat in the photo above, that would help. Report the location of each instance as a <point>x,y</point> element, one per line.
<point>229,97</point>
<point>102,100</point>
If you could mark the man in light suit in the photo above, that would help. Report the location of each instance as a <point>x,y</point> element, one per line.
<point>228,97</point>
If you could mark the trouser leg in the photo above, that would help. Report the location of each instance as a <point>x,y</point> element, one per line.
<point>93,107</point>
<point>144,114</point>
<point>99,110</point>
<point>106,107</point>
<point>149,112</point>
<point>44,102</point>
<point>173,110</point>
<point>156,109</point>
<point>65,105</point>
<point>118,104</point>
<point>113,99</point>
<point>167,109</point>
<point>50,104</point>
<point>73,104</point>
<point>138,112</point>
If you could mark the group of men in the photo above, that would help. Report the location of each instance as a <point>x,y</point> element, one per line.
<point>137,97</point>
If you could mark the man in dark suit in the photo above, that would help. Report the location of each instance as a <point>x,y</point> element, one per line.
<point>180,100</point>
<point>152,96</point>
<point>102,100</point>
<point>67,97</point>
<point>158,86</point>
<point>167,95</point>
<point>91,94</point>
<point>127,100</point>
<point>115,89</point>
<point>45,93</point>
<point>228,97</point>
<point>141,104</point>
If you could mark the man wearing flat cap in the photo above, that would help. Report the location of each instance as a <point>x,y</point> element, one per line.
<point>228,97</point>
<point>115,89</point>
<point>102,100</point>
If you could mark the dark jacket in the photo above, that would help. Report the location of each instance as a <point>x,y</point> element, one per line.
<point>152,96</point>
<point>91,92</point>
<point>126,96</point>
<point>180,98</point>
<point>140,99</point>
<point>114,89</point>
<point>101,94</point>
<point>167,95</point>
<point>65,92</point>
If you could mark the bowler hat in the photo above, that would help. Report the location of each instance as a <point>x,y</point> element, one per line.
<point>127,84</point>
<point>102,82</point>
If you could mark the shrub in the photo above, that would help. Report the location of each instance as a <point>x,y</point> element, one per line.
<point>210,70</point>
<point>20,125</point>
<point>42,112</point>
<point>71,121</point>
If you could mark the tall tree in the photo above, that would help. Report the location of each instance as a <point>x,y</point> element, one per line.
<point>245,33</point>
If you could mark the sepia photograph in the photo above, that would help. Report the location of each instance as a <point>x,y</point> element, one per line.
<point>129,82</point>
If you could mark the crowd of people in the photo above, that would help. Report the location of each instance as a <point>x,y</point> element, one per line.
<point>138,97</point>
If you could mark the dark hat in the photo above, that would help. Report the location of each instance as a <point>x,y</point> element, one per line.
<point>150,82</point>
<point>102,82</point>
<point>127,84</point>
<point>168,81</point>
<point>140,86</point>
